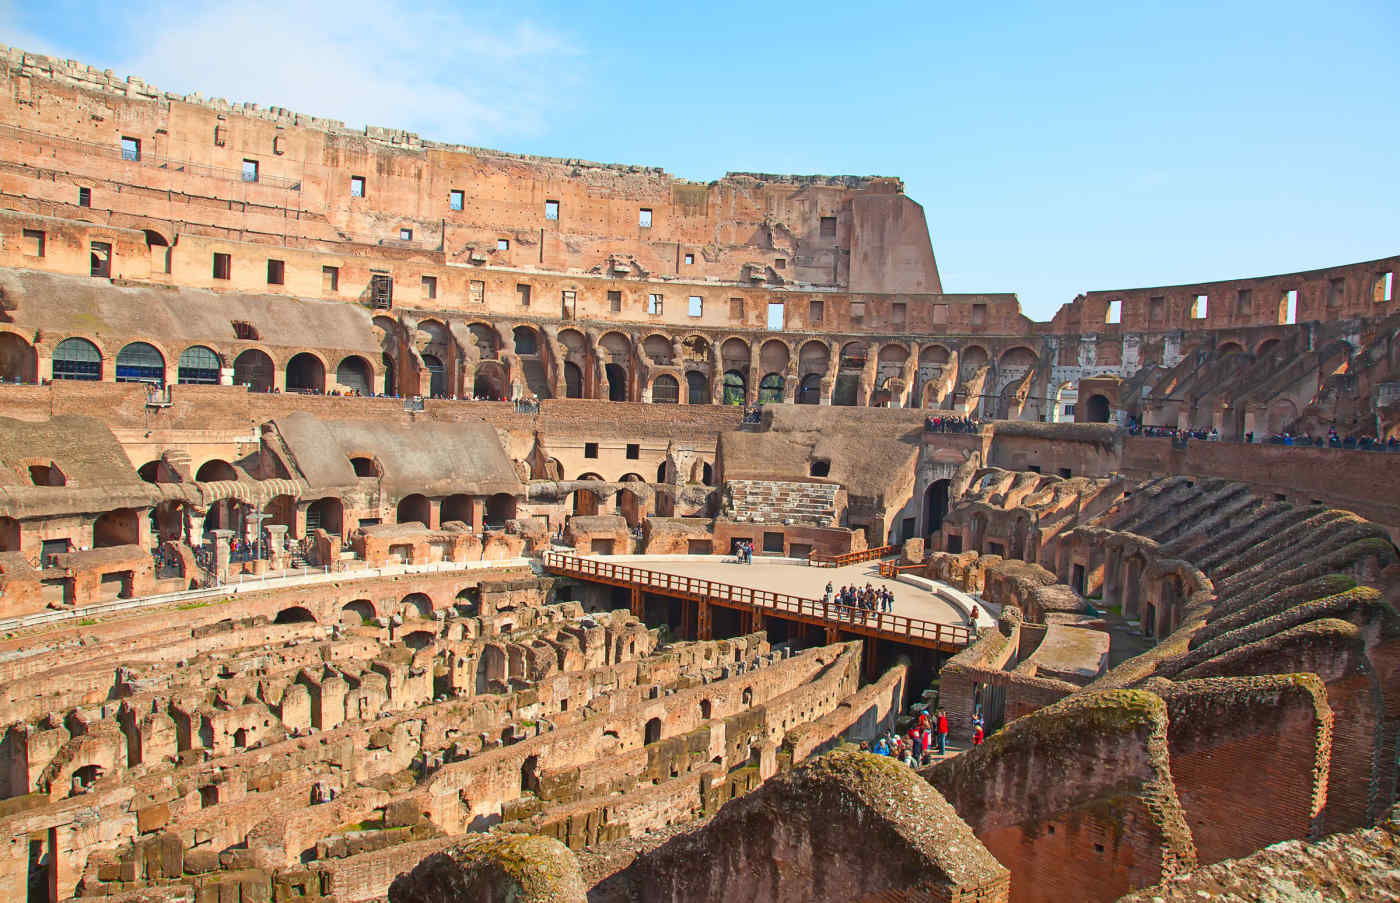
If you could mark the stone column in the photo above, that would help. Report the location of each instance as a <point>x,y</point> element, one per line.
<point>221,555</point>
<point>276,540</point>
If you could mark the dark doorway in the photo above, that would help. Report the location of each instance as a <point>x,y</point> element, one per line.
<point>1096,409</point>
<point>1077,578</point>
<point>935,506</point>
<point>617,383</point>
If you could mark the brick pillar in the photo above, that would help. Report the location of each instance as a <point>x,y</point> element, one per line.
<point>221,554</point>
<point>637,604</point>
<point>703,628</point>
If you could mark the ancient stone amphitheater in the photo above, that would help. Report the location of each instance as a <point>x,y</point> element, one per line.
<point>368,509</point>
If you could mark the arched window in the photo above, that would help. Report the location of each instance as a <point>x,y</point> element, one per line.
<point>353,373</point>
<point>525,342</point>
<point>306,373</point>
<point>77,359</point>
<point>198,366</point>
<point>735,388</point>
<point>770,390</point>
<point>665,390</point>
<point>253,368</point>
<point>140,363</point>
<point>697,387</point>
<point>17,359</point>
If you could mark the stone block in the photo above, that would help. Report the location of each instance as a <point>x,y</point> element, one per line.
<point>152,818</point>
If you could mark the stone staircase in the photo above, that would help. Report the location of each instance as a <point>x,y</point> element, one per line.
<point>776,502</point>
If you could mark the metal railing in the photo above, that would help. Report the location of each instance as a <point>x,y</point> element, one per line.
<point>892,569</point>
<point>887,624</point>
<point>840,561</point>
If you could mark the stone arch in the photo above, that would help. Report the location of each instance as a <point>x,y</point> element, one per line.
<point>355,374</point>
<point>253,368</point>
<point>485,339</point>
<point>19,362</point>
<point>199,365</point>
<point>809,390</point>
<point>1282,413</point>
<point>437,375</point>
<point>573,380</point>
<point>735,387</point>
<point>457,507</point>
<point>774,355</point>
<point>140,362</point>
<point>500,508</point>
<point>974,358</point>
<point>326,514</point>
<point>1018,356</point>
<point>526,340</point>
<point>414,508</point>
<point>935,505</point>
<point>893,354</point>
<point>295,614</point>
<point>1267,346</point>
<point>306,372</point>
<point>658,350</point>
<point>416,605</point>
<point>116,528</point>
<point>1097,409</point>
<point>734,354</point>
<point>490,383</point>
<point>77,358</point>
<point>813,358</point>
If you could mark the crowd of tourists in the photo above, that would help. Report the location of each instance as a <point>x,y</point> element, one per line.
<point>743,551</point>
<point>866,598</point>
<point>927,737</point>
<point>952,424</point>
<point>1333,439</point>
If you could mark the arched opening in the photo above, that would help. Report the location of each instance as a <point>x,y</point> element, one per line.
<point>747,698</point>
<point>215,471</point>
<point>253,368</point>
<point>140,362</point>
<point>18,361</point>
<point>415,508</point>
<point>809,391</point>
<point>84,777</point>
<point>1229,348</point>
<point>529,774</point>
<point>391,386</point>
<point>652,731</point>
<point>573,380</point>
<point>585,502</point>
<point>707,474</point>
<point>457,507</point>
<point>665,390</point>
<point>9,534</point>
<point>1268,346</point>
<point>935,506</point>
<point>325,514</point>
<point>357,612</point>
<point>468,601</point>
<point>294,614</point>
<point>240,738</point>
<point>659,350</point>
<point>419,639</point>
<point>354,375</point>
<point>281,510</point>
<point>77,359</point>
<point>629,505</point>
<point>697,387</point>
<point>735,387</point>
<point>115,528</point>
<point>366,467</point>
<point>437,376</point>
<point>770,389</point>
<point>306,373</point>
<point>706,710</point>
<point>198,366</point>
<point>416,605</point>
<point>525,341</point>
<point>159,250</point>
<point>617,382</point>
<point>490,382</point>
<point>499,509</point>
<point>1096,409</point>
<point>225,514</point>
<point>846,392</point>
<point>663,472</point>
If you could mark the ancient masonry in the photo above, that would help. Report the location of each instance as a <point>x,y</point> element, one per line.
<point>349,483</point>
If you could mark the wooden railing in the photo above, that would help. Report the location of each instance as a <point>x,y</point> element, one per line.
<point>840,561</point>
<point>892,569</point>
<point>887,624</point>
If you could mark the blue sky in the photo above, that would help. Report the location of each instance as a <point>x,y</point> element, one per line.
<point>1055,149</point>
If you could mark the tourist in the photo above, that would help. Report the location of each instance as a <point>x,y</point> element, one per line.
<point>826,597</point>
<point>942,732</point>
<point>977,729</point>
<point>916,741</point>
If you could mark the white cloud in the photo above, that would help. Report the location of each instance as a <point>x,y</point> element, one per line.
<point>450,74</point>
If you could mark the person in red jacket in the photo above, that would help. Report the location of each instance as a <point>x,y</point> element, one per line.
<point>942,732</point>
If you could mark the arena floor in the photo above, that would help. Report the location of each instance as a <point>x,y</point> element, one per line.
<point>800,579</point>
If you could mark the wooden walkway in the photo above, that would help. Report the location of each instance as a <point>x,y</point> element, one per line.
<point>759,603</point>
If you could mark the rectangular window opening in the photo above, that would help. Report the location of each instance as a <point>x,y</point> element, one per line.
<point>1336,292</point>
<point>857,312</point>
<point>357,186</point>
<point>476,292</point>
<point>654,304</point>
<point>405,235</point>
<point>590,449</point>
<point>455,199</point>
<point>940,313</point>
<point>979,314</point>
<point>1156,309</point>
<point>1384,289</point>
<point>250,170</point>
<point>84,197</point>
<point>780,263</point>
<point>644,217</point>
<point>1199,307</point>
<point>223,266</point>
<point>775,316</point>
<point>736,310</point>
<point>503,244</point>
<point>131,148</point>
<point>697,306</point>
<point>1115,312</point>
<point>899,313</point>
<point>381,291</point>
<point>816,309</point>
<point>634,451</point>
<point>330,279</point>
<point>689,259</point>
<point>828,227</point>
<point>429,288</point>
<point>276,272</point>
<point>34,242</point>
<point>1244,301</point>
<point>100,260</point>
<point>1288,308</point>
<point>567,303</point>
<point>522,289</point>
<point>551,210</point>
<point>615,302</point>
